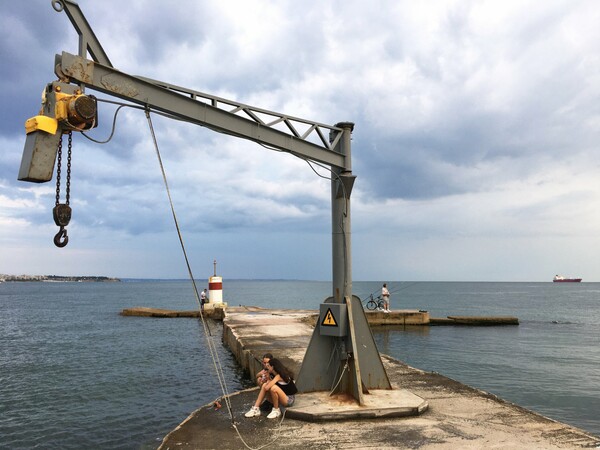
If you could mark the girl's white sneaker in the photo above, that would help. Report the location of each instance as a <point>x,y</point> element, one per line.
<point>254,412</point>
<point>274,414</point>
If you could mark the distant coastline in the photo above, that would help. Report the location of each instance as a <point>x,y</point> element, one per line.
<point>57,278</point>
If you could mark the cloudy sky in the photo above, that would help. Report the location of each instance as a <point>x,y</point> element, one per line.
<point>475,147</point>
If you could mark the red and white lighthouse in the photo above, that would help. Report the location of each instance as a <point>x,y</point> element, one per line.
<point>215,289</point>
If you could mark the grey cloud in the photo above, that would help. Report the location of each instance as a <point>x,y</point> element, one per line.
<point>29,38</point>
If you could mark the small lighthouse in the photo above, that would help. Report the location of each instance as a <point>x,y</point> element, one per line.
<point>215,290</point>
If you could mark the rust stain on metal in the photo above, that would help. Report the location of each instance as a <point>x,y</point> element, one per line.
<point>119,85</point>
<point>80,70</point>
<point>343,398</point>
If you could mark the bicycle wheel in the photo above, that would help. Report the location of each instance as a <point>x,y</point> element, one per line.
<point>371,305</point>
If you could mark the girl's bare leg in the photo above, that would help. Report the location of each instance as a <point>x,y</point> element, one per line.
<point>270,395</point>
<point>278,397</point>
<point>261,395</point>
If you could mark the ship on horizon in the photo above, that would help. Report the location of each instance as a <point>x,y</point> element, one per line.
<point>561,279</point>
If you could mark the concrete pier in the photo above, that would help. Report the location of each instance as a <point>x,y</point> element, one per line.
<point>143,311</point>
<point>457,416</point>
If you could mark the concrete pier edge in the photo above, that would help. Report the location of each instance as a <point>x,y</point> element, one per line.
<point>458,416</point>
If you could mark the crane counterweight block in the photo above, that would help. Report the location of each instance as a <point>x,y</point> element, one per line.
<point>39,155</point>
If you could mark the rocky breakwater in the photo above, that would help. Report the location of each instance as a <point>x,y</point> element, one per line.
<point>57,278</point>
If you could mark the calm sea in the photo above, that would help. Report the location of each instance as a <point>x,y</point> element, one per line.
<point>74,374</point>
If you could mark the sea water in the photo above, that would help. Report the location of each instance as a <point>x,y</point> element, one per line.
<point>76,374</point>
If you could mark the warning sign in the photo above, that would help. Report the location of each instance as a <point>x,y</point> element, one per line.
<point>333,319</point>
<point>329,319</point>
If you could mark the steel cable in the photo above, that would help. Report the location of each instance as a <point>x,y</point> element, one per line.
<point>212,348</point>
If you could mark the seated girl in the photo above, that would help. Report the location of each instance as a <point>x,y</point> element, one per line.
<point>263,376</point>
<point>280,390</point>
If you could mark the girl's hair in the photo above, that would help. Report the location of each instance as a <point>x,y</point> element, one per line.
<point>286,374</point>
<point>267,356</point>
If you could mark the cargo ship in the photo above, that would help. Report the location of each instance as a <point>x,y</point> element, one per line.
<point>561,279</point>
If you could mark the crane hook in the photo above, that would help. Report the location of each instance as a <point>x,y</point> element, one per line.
<point>61,239</point>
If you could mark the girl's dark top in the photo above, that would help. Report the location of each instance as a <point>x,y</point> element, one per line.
<point>288,388</point>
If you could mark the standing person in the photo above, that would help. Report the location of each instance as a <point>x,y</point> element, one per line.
<point>202,299</point>
<point>385,294</point>
<point>281,390</point>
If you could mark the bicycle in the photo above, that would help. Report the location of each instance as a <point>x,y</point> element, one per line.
<point>374,304</point>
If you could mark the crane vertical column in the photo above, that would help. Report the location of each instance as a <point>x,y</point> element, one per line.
<point>341,187</point>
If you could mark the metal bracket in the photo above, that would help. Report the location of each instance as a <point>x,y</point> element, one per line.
<point>88,42</point>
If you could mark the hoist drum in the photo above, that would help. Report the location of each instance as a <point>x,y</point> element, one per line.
<point>81,109</point>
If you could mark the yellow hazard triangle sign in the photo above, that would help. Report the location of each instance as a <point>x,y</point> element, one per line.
<point>329,319</point>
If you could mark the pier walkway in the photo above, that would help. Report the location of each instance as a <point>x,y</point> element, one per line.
<point>457,416</point>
